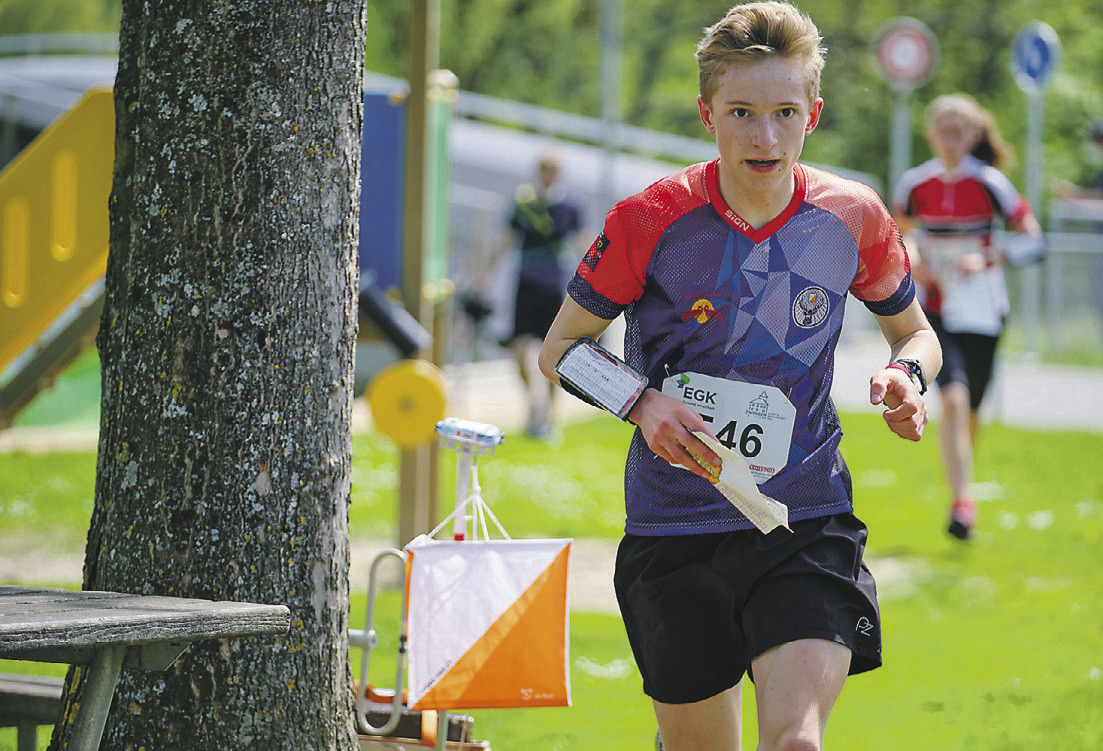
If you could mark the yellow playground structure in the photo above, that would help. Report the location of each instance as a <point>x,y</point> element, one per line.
<point>53,248</point>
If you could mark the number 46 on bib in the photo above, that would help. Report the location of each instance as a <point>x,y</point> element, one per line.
<point>752,419</point>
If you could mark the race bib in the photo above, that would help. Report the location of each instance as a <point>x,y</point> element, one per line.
<point>751,419</point>
<point>969,305</point>
<point>942,253</point>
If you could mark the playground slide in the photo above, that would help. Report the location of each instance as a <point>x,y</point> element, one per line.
<point>53,255</point>
<point>53,248</point>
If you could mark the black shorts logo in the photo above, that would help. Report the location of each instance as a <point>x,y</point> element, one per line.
<point>811,307</point>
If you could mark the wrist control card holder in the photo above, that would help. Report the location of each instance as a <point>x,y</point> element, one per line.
<point>597,376</point>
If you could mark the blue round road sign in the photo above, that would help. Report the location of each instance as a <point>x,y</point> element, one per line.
<point>1035,54</point>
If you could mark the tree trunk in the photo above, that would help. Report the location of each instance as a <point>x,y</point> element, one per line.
<point>227,346</point>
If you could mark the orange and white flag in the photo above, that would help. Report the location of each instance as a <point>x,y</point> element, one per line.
<point>488,624</point>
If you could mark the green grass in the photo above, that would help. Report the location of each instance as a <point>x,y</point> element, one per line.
<point>997,644</point>
<point>994,645</point>
<point>570,490</point>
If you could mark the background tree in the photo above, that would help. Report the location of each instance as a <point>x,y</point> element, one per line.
<point>53,16</point>
<point>226,346</point>
<point>548,53</point>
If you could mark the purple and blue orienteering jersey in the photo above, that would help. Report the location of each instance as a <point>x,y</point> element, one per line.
<point>703,292</point>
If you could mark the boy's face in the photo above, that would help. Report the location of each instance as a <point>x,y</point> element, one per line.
<point>760,115</point>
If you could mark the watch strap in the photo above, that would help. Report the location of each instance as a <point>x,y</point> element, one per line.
<point>914,371</point>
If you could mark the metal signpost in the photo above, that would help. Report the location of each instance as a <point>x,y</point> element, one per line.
<point>1035,55</point>
<point>906,53</point>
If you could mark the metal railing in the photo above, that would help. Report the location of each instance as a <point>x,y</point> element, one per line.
<point>52,44</point>
<point>1057,306</point>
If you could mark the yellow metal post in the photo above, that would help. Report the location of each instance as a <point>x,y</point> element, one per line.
<point>417,488</point>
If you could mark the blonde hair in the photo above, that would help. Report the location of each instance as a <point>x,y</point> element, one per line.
<point>990,147</point>
<point>754,31</point>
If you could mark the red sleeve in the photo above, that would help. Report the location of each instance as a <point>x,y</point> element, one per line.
<point>883,263</point>
<point>615,266</point>
<point>883,277</point>
<point>610,266</point>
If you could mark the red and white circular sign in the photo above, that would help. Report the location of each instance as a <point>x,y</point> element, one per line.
<point>906,51</point>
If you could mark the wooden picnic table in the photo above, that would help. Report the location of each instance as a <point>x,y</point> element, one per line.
<point>109,630</point>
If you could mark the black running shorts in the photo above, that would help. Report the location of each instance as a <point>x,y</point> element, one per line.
<point>540,291</point>
<point>699,608</point>
<point>966,359</point>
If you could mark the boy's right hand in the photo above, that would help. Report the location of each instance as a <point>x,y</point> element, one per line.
<point>666,424</point>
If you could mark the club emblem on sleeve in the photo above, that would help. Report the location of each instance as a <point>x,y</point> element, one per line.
<point>811,307</point>
<point>596,251</point>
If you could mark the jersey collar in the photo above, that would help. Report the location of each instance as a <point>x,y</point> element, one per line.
<point>712,182</point>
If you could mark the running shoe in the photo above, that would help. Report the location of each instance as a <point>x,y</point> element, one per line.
<point>963,516</point>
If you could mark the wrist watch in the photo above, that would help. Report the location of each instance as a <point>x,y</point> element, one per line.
<point>915,372</point>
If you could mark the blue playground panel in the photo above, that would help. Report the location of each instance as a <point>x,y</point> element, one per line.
<point>382,170</point>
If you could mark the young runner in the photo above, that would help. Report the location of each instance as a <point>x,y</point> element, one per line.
<point>544,222</point>
<point>950,207</point>
<point>732,277</point>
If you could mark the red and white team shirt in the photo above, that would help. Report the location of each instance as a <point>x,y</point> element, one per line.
<point>955,211</point>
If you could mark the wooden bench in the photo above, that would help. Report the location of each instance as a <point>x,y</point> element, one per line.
<point>27,701</point>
